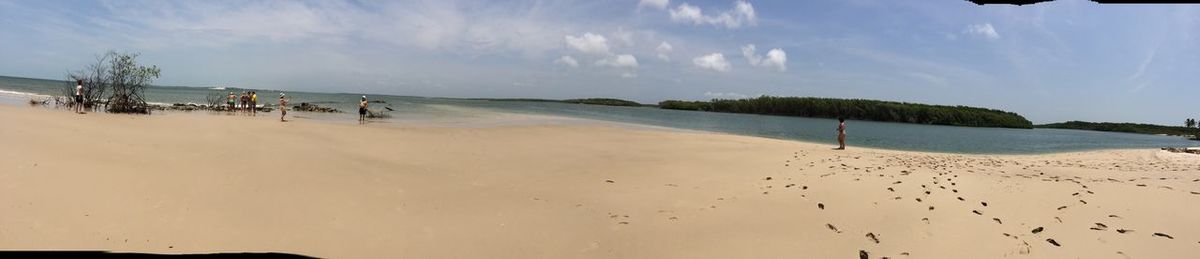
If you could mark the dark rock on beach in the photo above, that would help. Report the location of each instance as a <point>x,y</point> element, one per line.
<point>308,107</point>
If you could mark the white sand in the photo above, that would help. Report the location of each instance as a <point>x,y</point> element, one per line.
<point>194,183</point>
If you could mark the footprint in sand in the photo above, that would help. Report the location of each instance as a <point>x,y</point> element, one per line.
<point>820,205</point>
<point>998,220</point>
<point>1037,230</point>
<point>984,203</point>
<point>1052,242</point>
<point>1163,235</point>
<point>1062,207</point>
<point>976,212</point>
<point>1123,231</point>
<point>873,238</point>
<point>961,199</point>
<point>930,207</point>
<point>862,254</point>
<point>831,227</point>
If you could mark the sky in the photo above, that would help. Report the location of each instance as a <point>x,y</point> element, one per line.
<point>1050,62</point>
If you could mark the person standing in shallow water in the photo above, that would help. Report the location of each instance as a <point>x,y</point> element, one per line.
<point>841,133</point>
<point>362,110</point>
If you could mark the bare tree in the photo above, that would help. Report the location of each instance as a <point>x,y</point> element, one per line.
<point>215,100</point>
<point>115,80</point>
<point>95,82</point>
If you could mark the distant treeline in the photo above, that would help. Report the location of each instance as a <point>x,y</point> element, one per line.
<point>593,101</point>
<point>858,109</point>
<point>1122,127</point>
<point>603,101</point>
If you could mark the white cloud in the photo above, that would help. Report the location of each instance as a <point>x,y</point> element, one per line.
<point>741,14</point>
<point>660,4</point>
<point>983,30</point>
<point>714,61</point>
<point>663,50</point>
<point>776,58</point>
<point>463,28</point>
<point>624,37</point>
<point>619,61</point>
<point>725,95</point>
<point>748,52</point>
<point>628,75</point>
<point>567,60</point>
<point>589,43</point>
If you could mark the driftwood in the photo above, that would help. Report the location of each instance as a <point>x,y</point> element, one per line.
<point>1182,150</point>
<point>199,107</point>
<point>378,114</point>
<point>308,107</point>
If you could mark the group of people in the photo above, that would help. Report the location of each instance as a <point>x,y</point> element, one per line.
<point>247,103</point>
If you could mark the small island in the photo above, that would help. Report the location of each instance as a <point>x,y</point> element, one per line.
<point>591,101</point>
<point>1189,132</point>
<point>859,109</point>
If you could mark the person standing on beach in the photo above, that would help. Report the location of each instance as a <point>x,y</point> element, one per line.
<point>232,101</point>
<point>282,107</point>
<point>254,102</point>
<point>362,110</point>
<point>245,101</point>
<point>79,96</point>
<point>841,133</point>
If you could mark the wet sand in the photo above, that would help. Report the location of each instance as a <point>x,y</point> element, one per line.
<point>195,183</point>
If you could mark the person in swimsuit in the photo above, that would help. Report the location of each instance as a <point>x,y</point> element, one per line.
<point>231,101</point>
<point>254,102</point>
<point>79,96</point>
<point>362,110</point>
<point>245,101</point>
<point>282,107</point>
<point>841,133</point>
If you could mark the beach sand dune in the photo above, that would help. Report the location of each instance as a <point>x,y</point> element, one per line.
<point>196,183</point>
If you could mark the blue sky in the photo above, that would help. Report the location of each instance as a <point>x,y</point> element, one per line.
<point>1063,60</point>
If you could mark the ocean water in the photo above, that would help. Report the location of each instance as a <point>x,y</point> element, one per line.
<point>887,135</point>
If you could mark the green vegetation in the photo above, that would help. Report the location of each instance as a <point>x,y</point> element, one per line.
<point>1123,127</point>
<point>858,109</point>
<point>115,80</point>
<point>592,101</point>
<point>603,101</point>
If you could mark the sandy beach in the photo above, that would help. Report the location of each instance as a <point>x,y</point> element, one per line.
<point>198,183</point>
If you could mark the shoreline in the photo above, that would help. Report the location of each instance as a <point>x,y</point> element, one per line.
<point>497,117</point>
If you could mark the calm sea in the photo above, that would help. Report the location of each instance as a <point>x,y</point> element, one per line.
<point>860,133</point>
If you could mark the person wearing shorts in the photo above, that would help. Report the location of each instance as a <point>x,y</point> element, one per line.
<point>232,101</point>
<point>79,96</point>
<point>362,110</point>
